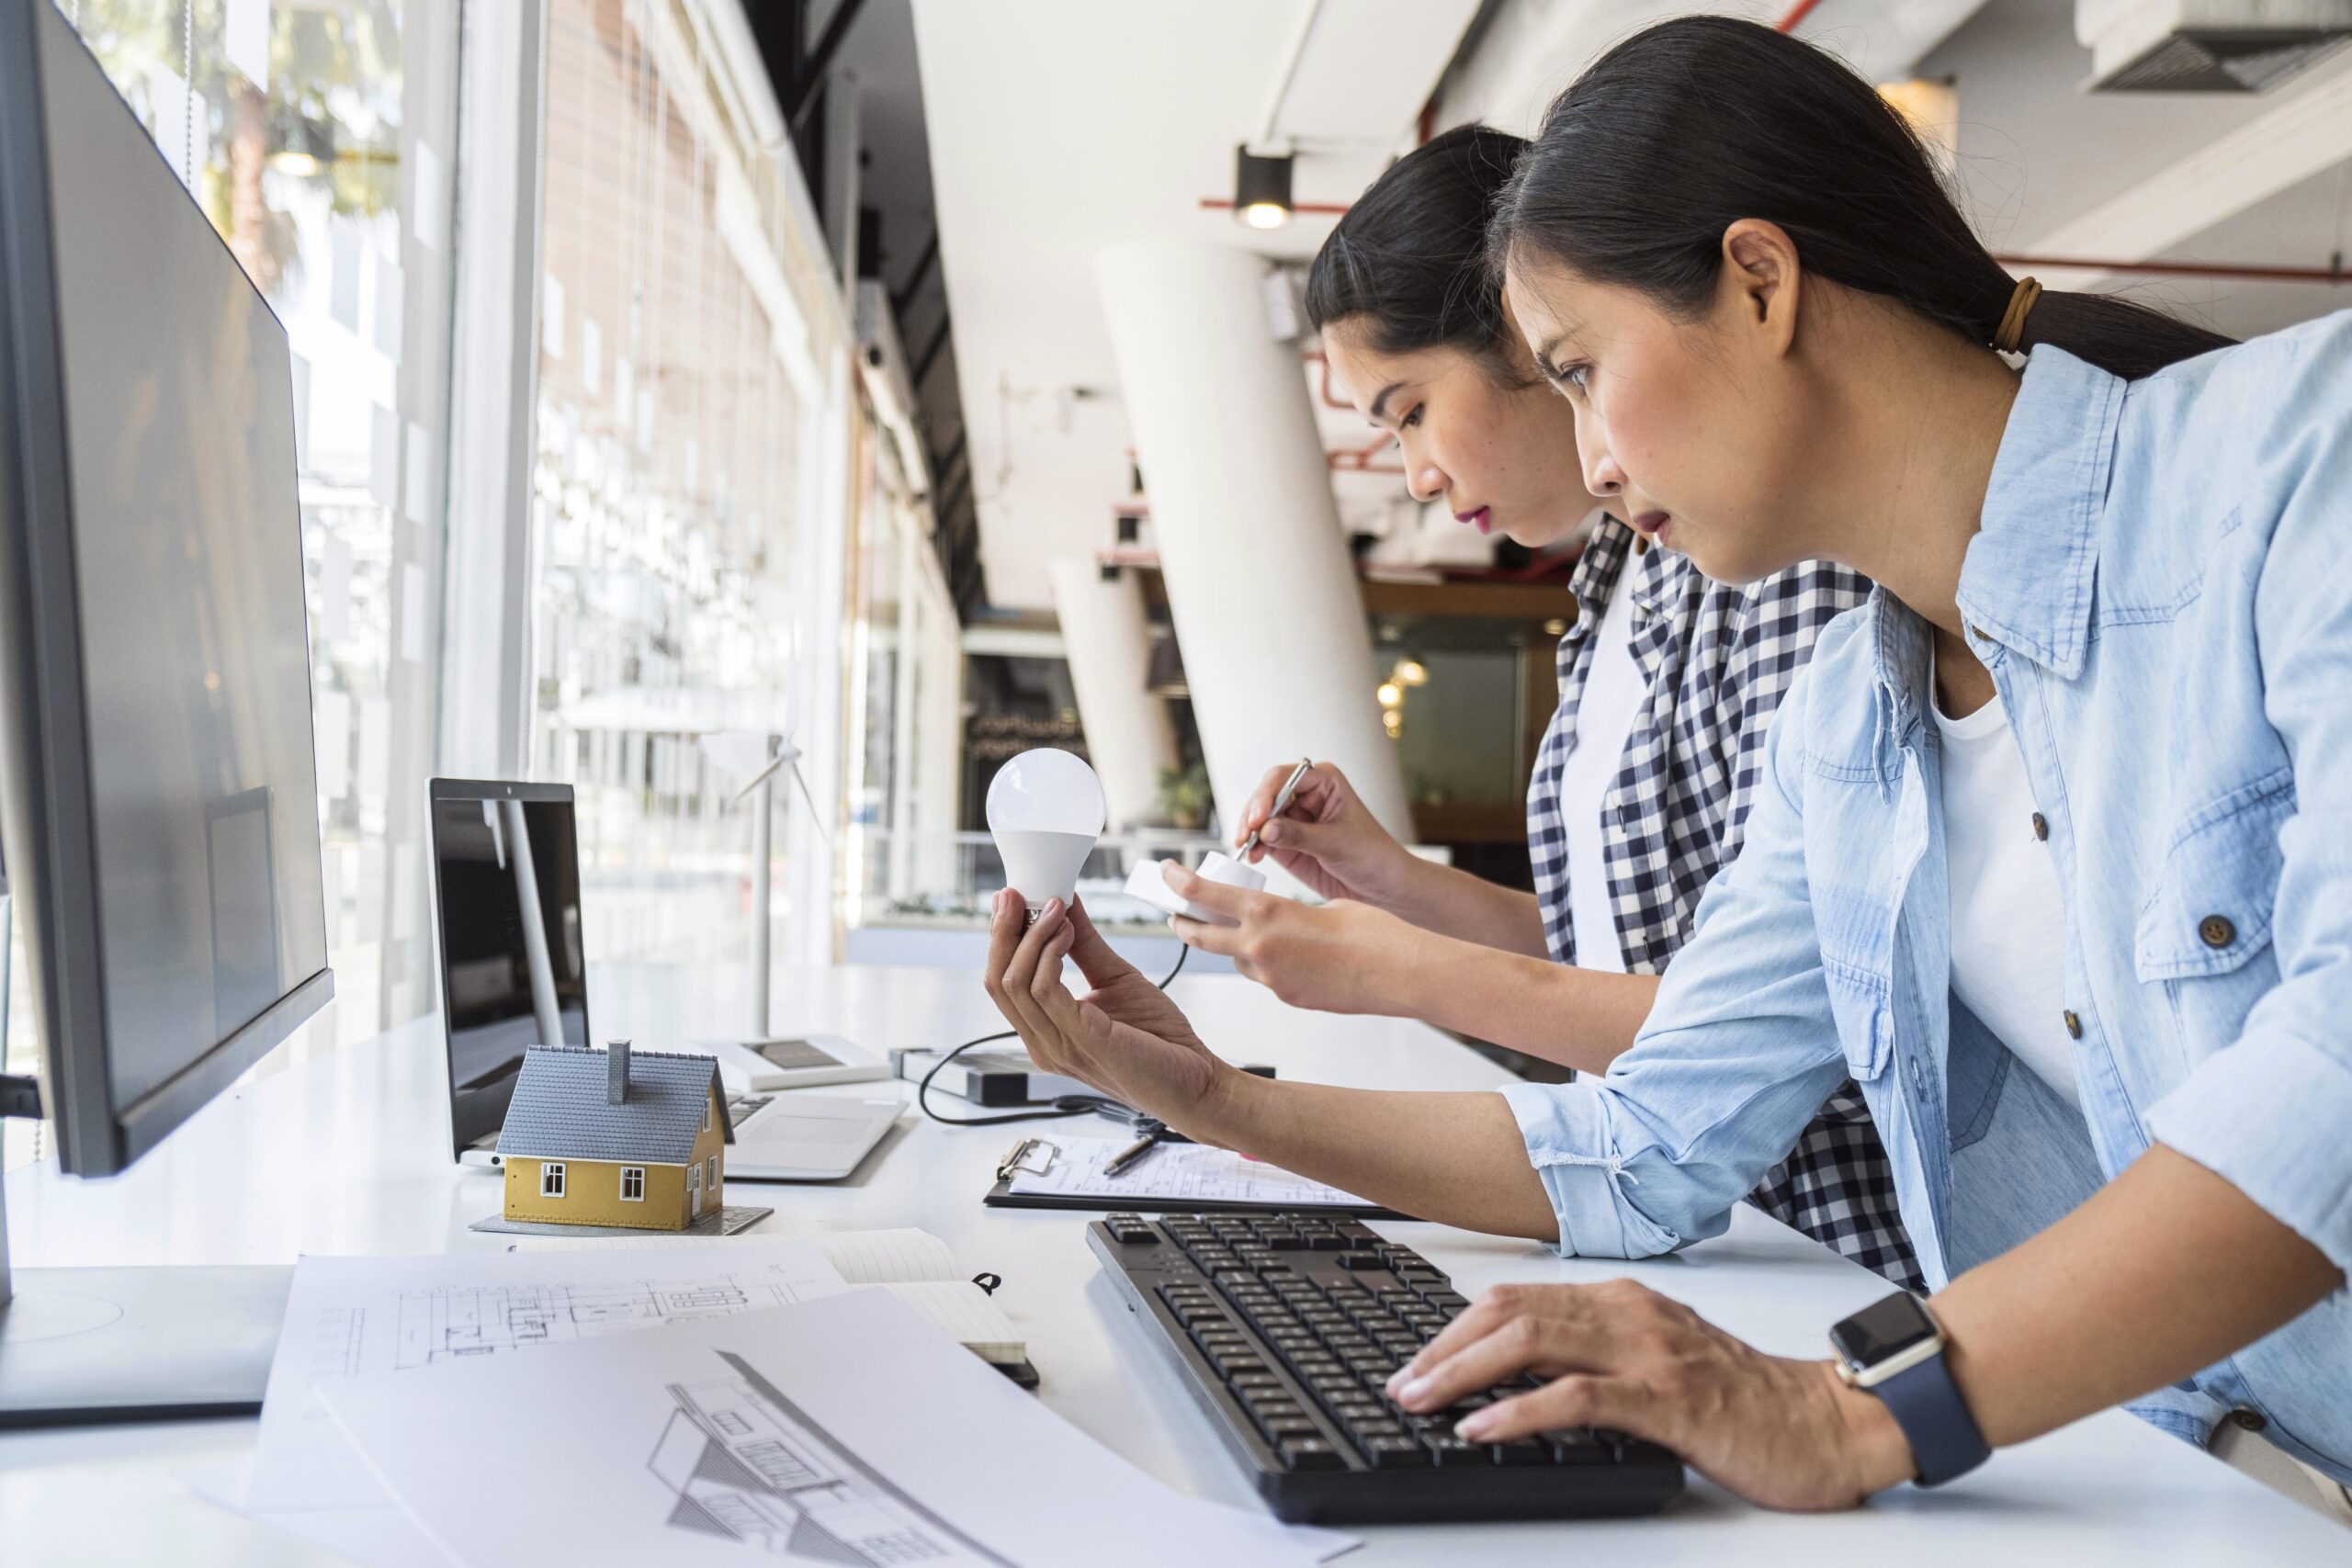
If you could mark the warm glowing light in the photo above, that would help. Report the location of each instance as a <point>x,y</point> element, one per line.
<point>1555,627</point>
<point>1391,695</point>
<point>1394,722</point>
<point>1411,672</point>
<point>1266,215</point>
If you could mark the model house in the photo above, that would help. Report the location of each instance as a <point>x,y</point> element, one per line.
<point>614,1137</point>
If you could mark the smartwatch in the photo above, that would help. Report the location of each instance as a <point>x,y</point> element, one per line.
<point>1895,1350</point>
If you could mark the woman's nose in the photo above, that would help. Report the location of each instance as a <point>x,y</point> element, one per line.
<point>1424,481</point>
<point>1602,476</point>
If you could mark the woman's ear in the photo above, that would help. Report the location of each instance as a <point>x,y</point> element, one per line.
<point>1762,281</point>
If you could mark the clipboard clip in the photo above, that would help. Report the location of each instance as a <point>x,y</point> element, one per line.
<point>1017,1162</point>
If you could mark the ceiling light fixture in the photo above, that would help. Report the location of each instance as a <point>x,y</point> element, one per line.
<point>1261,190</point>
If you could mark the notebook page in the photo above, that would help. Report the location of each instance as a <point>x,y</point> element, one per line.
<point>961,1309</point>
<point>1181,1173</point>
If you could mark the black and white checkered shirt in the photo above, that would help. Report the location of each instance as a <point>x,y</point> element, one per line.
<point>1715,661</point>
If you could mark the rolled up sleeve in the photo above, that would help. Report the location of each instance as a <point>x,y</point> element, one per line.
<point>1739,1051</point>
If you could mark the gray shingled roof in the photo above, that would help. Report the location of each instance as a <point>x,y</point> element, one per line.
<point>558,1110</point>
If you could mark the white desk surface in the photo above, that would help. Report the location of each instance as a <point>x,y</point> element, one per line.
<point>348,1154</point>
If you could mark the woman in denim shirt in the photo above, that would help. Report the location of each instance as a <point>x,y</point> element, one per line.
<point>1764,308</point>
<point>1416,334</point>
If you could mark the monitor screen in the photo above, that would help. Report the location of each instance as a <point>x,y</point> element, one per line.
<point>186,550</point>
<point>514,963</point>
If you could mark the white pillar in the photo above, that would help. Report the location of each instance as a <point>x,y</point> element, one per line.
<point>1128,731</point>
<point>1259,584</point>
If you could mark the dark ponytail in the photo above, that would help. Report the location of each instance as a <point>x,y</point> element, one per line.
<point>1693,124</point>
<point>1409,259</point>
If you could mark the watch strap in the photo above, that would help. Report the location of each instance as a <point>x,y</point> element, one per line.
<point>1926,1403</point>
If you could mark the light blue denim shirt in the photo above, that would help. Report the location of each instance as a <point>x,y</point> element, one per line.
<point>2162,590</point>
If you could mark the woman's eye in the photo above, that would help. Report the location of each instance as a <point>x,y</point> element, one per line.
<point>1410,420</point>
<point>1577,375</point>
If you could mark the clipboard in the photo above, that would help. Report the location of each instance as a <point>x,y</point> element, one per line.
<point>1030,1150</point>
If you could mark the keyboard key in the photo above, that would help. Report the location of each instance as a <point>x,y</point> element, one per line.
<point>1523,1451</point>
<point>1310,1453</point>
<point>1394,1453</point>
<point>1445,1449</point>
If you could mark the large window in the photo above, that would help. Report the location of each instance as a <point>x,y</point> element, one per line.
<point>673,469</point>
<point>317,135</point>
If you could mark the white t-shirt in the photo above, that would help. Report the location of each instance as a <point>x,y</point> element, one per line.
<point>1605,713</point>
<point>2009,931</point>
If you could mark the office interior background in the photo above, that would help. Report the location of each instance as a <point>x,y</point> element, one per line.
<point>892,380</point>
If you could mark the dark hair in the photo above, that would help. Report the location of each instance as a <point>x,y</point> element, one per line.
<point>1693,124</point>
<point>1411,257</point>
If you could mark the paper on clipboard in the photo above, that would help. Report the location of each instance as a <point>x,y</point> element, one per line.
<point>1170,1173</point>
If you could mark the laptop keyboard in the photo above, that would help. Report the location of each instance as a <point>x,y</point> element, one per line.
<point>741,1107</point>
<point>792,1055</point>
<point>1286,1326</point>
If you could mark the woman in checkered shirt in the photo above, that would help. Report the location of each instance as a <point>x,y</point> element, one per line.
<point>1667,685</point>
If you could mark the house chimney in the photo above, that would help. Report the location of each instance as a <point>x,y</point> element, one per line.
<point>616,1073</point>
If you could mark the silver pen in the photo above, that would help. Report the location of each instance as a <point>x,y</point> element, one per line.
<point>1282,797</point>
<point>1132,1153</point>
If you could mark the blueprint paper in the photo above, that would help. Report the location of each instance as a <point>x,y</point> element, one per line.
<point>1178,1173</point>
<point>842,1431</point>
<point>349,1315</point>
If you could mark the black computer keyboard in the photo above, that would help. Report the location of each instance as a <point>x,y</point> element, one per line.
<point>1286,1325</point>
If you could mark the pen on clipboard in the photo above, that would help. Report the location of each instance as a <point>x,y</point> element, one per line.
<point>1119,1162</point>
<point>1282,797</point>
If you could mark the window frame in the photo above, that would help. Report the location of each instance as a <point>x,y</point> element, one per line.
<point>637,1171</point>
<point>553,1178</point>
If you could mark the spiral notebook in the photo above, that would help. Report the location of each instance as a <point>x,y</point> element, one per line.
<point>1067,1173</point>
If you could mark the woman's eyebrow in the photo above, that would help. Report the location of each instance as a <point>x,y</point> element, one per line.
<point>1379,404</point>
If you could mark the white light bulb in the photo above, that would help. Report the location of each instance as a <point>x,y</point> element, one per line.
<point>1045,810</point>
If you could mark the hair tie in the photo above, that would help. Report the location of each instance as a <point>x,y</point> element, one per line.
<point>2007,336</point>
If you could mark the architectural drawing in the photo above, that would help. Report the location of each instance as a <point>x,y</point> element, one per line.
<point>455,1321</point>
<point>746,1464</point>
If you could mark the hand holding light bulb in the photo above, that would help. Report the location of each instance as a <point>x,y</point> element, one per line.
<point>1044,810</point>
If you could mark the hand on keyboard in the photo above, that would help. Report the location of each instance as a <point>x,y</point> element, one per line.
<point>1778,1431</point>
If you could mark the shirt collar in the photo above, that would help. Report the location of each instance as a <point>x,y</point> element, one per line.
<point>2027,581</point>
<point>1601,569</point>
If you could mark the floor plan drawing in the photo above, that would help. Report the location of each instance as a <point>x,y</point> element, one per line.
<point>351,1316</point>
<point>745,1464</point>
<point>420,1327</point>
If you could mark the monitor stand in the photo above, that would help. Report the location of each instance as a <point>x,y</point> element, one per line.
<point>141,1344</point>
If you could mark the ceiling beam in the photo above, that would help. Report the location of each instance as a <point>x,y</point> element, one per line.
<point>820,59</point>
<point>2307,130</point>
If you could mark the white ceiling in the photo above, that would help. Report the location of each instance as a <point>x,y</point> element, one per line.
<point>1057,126</point>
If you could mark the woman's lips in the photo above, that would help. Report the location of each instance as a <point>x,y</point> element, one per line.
<point>1652,526</point>
<point>1483,519</point>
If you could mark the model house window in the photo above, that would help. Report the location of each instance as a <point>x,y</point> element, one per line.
<point>694,1179</point>
<point>632,1184</point>
<point>551,1179</point>
<point>710,1173</point>
<point>706,1116</point>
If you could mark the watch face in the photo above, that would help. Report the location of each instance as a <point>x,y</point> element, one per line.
<point>1883,1329</point>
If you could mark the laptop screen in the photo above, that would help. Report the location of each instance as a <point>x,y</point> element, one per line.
<point>513,966</point>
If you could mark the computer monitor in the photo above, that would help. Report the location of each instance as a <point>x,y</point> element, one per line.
<point>513,959</point>
<point>158,797</point>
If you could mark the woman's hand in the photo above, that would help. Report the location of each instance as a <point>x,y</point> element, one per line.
<point>1125,1038</point>
<point>1327,839</point>
<point>1784,1433</point>
<point>1341,957</point>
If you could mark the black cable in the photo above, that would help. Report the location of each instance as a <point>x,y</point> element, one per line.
<point>1064,1106</point>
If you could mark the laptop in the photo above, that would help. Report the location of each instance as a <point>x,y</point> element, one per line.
<point>514,974</point>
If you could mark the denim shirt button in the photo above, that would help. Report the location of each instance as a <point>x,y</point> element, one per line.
<point>2040,826</point>
<point>2215,931</point>
<point>2251,1420</point>
<point>2074,1025</point>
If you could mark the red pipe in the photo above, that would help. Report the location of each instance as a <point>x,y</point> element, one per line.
<point>1310,208</point>
<point>1797,13</point>
<point>2186,269</point>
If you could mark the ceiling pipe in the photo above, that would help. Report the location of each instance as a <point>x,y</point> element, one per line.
<point>2333,275</point>
<point>1263,143</point>
<point>1796,15</point>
